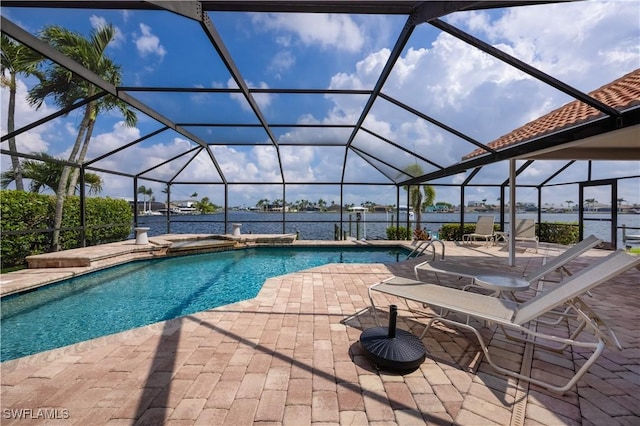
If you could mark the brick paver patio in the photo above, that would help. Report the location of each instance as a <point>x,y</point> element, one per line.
<point>291,357</point>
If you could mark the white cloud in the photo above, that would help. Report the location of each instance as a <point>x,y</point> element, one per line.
<point>281,62</point>
<point>329,31</point>
<point>366,73</point>
<point>143,156</point>
<point>284,40</point>
<point>31,141</point>
<point>583,43</point>
<point>126,14</point>
<point>148,44</point>
<point>262,99</point>
<point>298,163</point>
<point>106,142</point>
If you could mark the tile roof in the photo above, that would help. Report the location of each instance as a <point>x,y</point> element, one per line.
<point>620,94</point>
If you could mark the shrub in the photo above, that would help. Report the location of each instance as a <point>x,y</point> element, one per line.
<point>107,220</point>
<point>556,232</point>
<point>452,232</point>
<point>399,233</point>
<point>565,233</point>
<point>21,211</point>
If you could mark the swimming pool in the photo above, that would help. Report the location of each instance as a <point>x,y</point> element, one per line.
<point>144,292</point>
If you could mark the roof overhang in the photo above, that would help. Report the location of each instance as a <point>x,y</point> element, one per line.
<point>604,138</point>
<point>622,144</point>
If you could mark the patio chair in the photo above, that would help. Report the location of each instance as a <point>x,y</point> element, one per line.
<point>558,263</point>
<point>484,229</point>
<point>525,230</point>
<point>518,320</point>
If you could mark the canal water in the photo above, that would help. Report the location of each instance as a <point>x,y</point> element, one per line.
<point>372,226</point>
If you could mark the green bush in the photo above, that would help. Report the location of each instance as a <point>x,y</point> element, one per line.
<point>22,211</point>
<point>565,233</point>
<point>99,211</point>
<point>29,211</point>
<point>399,233</point>
<point>557,232</point>
<point>452,232</point>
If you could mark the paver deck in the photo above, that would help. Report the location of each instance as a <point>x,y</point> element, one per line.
<point>291,356</point>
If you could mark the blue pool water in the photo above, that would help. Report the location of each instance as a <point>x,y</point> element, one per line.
<point>144,292</point>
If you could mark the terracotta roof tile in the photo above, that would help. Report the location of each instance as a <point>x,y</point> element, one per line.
<point>620,94</point>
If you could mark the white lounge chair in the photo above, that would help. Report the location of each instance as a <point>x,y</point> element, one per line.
<point>517,317</point>
<point>525,230</point>
<point>449,267</point>
<point>484,229</point>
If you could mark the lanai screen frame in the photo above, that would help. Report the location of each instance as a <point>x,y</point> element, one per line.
<point>417,13</point>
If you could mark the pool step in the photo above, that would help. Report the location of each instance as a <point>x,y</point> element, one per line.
<point>199,246</point>
<point>91,256</point>
<point>261,239</point>
<point>52,267</point>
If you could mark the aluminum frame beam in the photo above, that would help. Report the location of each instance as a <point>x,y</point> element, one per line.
<point>575,133</point>
<point>389,7</point>
<point>24,37</point>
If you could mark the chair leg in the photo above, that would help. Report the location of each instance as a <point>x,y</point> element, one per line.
<point>373,308</point>
<point>598,349</point>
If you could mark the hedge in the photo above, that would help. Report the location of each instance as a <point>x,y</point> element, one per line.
<point>399,233</point>
<point>29,211</point>
<point>452,232</point>
<point>565,233</point>
<point>98,212</point>
<point>21,211</point>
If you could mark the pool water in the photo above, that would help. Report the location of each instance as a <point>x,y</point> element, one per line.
<point>144,292</point>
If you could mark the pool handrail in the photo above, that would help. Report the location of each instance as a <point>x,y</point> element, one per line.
<point>424,245</point>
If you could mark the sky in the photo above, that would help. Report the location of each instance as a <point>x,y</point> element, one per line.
<point>585,44</point>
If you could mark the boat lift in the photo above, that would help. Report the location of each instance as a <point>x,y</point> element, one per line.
<point>629,238</point>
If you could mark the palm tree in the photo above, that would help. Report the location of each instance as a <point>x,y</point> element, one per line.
<point>415,193</point>
<point>590,202</point>
<point>16,59</point>
<point>569,202</point>
<point>429,195</point>
<point>66,88</point>
<point>149,192</point>
<point>367,205</point>
<point>262,204</point>
<point>205,206</point>
<point>143,190</point>
<point>46,174</point>
<point>620,201</point>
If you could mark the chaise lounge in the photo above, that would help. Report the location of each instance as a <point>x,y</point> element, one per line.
<point>484,229</point>
<point>525,230</point>
<point>558,263</point>
<point>519,319</point>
